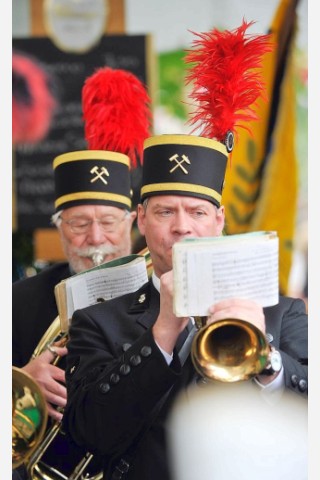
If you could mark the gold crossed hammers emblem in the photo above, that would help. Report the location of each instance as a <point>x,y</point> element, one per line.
<point>99,175</point>
<point>179,163</point>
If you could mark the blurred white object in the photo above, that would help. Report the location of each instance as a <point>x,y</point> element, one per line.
<point>229,432</point>
<point>75,25</point>
<point>298,277</point>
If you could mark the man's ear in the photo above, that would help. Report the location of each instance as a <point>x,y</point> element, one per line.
<point>141,219</point>
<point>221,218</point>
<point>133,216</point>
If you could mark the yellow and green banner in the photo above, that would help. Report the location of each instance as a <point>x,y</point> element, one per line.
<point>261,187</point>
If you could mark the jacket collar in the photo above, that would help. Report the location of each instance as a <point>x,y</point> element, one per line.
<point>146,301</point>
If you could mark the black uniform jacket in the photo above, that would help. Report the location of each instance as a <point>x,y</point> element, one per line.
<point>33,310</point>
<point>116,374</point>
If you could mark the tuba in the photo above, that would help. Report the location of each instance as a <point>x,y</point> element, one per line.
<point>228,350</point>
<point>29,416</point>
<point>38,468</point>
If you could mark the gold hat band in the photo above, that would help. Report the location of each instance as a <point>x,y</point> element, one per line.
<point>181,187</point>
<point>93,196</point>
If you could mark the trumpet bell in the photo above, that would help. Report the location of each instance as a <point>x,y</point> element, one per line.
<point>229,351</point>
<point>29,416</point>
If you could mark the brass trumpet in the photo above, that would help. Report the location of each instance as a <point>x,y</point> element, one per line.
<point>229,350</point>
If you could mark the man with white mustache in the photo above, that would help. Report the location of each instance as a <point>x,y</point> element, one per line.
<point>93,202</point>
<point>95,235</point>
<point>92,232</point>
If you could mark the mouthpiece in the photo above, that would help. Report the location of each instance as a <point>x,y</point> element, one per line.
<point>97,258</point>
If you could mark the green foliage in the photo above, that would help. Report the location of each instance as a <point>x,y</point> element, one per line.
<point>171,81</point>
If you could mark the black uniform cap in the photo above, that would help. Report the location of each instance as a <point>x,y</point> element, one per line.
<point>184,165</point>
<point>95,177</point>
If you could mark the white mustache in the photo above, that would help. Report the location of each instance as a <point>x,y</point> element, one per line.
<point>97,254</point>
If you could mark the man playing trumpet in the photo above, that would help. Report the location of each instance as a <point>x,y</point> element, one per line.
<point>126,362</point>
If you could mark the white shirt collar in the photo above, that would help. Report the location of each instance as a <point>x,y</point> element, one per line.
<point>156,281</point>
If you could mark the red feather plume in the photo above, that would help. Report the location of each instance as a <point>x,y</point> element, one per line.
<point>116,112</point>
<point>33,103</point>
<point>225,78</point>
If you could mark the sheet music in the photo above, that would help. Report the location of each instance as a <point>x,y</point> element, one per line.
<point>209,270</point>
<point>102,284</point>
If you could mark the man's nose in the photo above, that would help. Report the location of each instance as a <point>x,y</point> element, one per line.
<point>181,223</point>
<point>95,235</point>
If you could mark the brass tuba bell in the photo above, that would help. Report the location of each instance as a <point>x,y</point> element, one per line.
<point>229,350</point>
<point>29,416</point>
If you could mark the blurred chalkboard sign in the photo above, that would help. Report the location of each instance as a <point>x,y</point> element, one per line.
<point>33,175</point>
